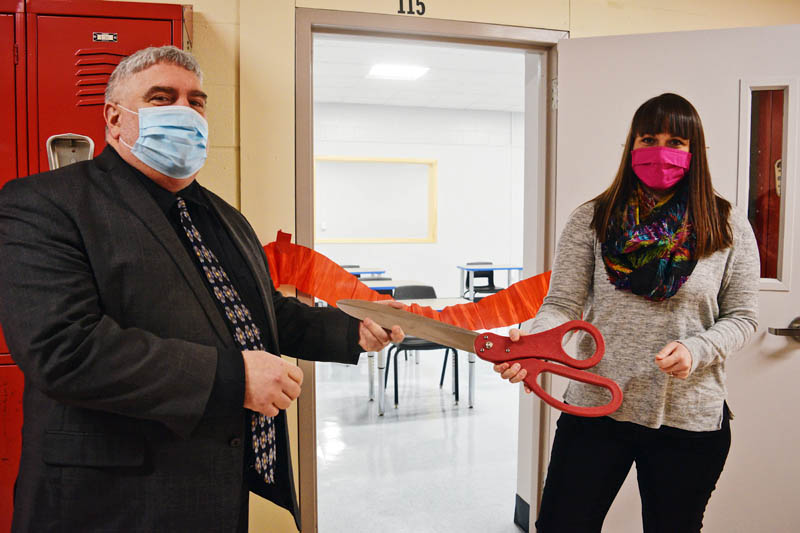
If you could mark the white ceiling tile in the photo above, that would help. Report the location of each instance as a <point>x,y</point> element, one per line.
<point>466,76</point>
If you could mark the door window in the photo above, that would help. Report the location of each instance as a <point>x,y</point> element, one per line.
<point>767,151</point>
<point>766,159</point>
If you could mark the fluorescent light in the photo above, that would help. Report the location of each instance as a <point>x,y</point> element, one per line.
<point>386,71</point>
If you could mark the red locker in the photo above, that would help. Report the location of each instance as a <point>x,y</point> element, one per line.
<point>8,125</point>
<point>13,159</point>
<point>13,163</point>
<point>72,49</point>
<point>55,60</point>
<point>11,385</point>
<point>13,144</point>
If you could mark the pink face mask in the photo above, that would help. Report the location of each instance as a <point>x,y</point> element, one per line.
<point>660,167</point>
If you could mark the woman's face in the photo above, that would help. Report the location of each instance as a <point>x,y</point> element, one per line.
<point>661,139</point>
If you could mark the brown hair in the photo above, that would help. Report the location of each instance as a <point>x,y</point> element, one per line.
<point>708,212</point>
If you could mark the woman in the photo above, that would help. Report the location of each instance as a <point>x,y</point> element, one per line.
<point>668,272</point>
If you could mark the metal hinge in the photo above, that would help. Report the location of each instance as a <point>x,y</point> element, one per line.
<point>554,94</point>
<point>16,54</point>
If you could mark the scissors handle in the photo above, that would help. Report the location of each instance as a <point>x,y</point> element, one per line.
<point>536,367</point>
<point>545,345</point>
<point>534,353</point>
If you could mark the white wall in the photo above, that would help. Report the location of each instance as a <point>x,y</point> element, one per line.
<point>410,183</point>
<point>480,166</point>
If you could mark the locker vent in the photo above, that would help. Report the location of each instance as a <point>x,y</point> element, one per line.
<point>93,66</point>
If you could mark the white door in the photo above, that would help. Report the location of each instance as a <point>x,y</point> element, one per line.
<point>601,82</point>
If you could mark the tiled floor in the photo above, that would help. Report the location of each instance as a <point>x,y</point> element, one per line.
<point>428,466</point>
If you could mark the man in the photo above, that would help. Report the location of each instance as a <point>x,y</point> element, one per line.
<point>139,307</point>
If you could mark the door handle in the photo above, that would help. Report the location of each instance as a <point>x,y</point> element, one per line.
<point>792,331</point>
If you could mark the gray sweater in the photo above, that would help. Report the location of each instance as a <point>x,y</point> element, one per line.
<point>712,314</point>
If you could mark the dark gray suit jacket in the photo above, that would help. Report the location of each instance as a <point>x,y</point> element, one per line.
<point>118,338</point>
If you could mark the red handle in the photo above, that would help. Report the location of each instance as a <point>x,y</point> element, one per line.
<point>535,367</point>
<point>544,345</point>
<point>547,345</point>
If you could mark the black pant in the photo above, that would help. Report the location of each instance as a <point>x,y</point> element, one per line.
<point>676,469</point>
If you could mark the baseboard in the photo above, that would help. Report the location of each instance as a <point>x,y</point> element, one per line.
<point>522,513</point>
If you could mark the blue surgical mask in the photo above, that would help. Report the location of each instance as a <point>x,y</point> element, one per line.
<point>172,140</point>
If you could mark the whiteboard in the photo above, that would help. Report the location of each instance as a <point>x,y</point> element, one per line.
<point>374,200</point>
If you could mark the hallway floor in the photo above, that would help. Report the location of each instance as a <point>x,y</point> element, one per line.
<point>427,466</point>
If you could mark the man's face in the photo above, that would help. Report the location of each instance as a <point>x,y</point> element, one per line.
<point>162,84</point>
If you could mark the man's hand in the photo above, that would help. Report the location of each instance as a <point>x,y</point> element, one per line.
<point>674,359</point>
<point>373,338</point>
<point>270,382</point>
<point>512,372</point>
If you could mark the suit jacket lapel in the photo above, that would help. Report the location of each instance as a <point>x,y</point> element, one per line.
<point>255,263</point>
<point>135,198</point>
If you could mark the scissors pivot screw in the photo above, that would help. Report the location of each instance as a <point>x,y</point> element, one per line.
<point>489,345</point>
<point>508,350</point>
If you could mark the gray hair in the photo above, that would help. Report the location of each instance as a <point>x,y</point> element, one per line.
<point>146,58</point>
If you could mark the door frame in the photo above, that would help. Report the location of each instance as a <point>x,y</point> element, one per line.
<point>309,21</point>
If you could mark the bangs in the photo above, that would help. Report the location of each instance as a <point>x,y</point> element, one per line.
<point>667,113</point>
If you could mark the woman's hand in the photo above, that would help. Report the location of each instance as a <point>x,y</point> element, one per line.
<point>513,373</point>
<point>675,360</point>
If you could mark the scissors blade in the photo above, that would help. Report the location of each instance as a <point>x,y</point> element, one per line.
<point>414,325</point>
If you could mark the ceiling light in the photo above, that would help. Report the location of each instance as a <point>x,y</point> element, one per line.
<point>386,71</point>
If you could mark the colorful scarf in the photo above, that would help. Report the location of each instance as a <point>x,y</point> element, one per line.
<point>649,246</point>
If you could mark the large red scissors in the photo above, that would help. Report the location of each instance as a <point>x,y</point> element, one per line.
<point>537,353</point>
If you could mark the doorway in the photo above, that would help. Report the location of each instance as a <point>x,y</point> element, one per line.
<point>326,124</point>
<point>418,150</point>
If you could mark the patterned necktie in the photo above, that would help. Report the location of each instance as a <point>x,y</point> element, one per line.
<point>246,333</point>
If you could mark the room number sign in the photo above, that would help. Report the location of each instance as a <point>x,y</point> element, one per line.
<point>411,7</point>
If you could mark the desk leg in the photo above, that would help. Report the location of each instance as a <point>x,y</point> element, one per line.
<point>416,356</point>
<point>455,375</point>
<point>471,282</point>
<point>381,387</point>
<point>471,358</point>
<point>371,366</point>
<point>461,282</point>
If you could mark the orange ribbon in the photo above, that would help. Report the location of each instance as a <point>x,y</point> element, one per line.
<point>313,273</point>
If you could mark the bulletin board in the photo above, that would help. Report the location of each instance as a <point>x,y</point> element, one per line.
<point>374,200</point>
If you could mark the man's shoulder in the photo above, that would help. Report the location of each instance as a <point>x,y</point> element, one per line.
<point>71,182</point>
<point>64,180</point>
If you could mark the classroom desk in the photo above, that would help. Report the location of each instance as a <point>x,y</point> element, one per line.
<point>389,284</point>
<point>366,271</point>
<point>437,304</point>
<point>469,271</point>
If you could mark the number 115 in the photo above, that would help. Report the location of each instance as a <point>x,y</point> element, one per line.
<point>419,11</point>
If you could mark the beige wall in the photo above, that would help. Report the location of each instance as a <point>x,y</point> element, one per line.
<point>589,18</point>
<point>246,48</point>
<point>216,46</point>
